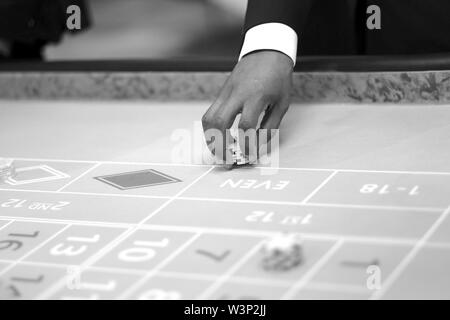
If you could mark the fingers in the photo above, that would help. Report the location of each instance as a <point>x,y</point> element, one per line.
<point>248,124</point>
<point>272,120</point>
<point>256,82</point>
<point>220,117</point>
<point>224,94</point>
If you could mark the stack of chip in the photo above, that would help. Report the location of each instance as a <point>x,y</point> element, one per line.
<point>239,158</point>
<point>282,253</point>
<point>7,169</point>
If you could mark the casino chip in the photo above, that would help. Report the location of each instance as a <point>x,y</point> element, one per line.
<point>7,169</point>
<point>282,253</point>
<point>239,157</point>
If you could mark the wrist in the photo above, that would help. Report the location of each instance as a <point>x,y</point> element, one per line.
<point>271,58</point>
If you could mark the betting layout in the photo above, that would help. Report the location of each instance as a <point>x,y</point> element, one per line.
<point>103,230</point>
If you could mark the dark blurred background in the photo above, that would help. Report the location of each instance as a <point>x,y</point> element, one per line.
<point>151,29</point>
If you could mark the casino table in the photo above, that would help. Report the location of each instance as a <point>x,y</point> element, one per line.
<point>362,176</point>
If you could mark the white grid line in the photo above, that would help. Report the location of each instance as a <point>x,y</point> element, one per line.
<point>446,173</point>
<point>83,266</point>
<point>235,279</point>
<point>90,261</point>
<point>312,285</point>
<point>7,224</point>
<point>375,207</point>
<point>228,274</point>
<point>160,273</point>
<point>132,163</point>
<point>35,249</point>
<point>320,186</point>
<point>312,271</point>
<point>386,285</point>
<point>65,221</point>
<point>243,232</point>
<point>79,177</point>
<point>287,203</point>
<point>177,195</point>
<point>208,165</point>
<point>87,193</point>
<point>161,265</point>
<point>417,245</point>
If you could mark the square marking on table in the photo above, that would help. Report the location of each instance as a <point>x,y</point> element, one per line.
<point>137,179</point>
<point>185,175</point>
<point>35,174</point>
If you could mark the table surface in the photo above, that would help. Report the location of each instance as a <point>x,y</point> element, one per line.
<point>367,188</point>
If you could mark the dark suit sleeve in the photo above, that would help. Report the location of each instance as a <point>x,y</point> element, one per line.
<point>290,12</point>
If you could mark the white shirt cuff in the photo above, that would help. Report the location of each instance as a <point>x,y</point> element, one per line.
<point>271,36</point>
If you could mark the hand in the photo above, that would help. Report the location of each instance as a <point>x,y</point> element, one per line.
<point>261,81</point>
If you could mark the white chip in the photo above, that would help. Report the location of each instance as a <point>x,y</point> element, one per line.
<point>239,157</point>
<point>282,242</point>
<point>282,253</point>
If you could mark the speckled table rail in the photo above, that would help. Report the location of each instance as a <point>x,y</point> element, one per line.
<point>393,87</point>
